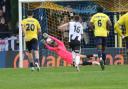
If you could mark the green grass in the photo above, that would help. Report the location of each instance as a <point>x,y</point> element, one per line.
<point>90,77</point>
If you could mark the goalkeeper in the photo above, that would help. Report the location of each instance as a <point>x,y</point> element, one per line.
<point>58,47</point>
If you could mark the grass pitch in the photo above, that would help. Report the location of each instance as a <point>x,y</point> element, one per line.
<point>90,77</point>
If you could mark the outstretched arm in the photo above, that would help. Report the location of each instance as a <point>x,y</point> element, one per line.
<point>49,47</point>
<point>56,40</point>
<point>63,27</point>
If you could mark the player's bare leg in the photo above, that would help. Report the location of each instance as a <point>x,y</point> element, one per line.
<point>95,63</point>
<point>37,60</point>
<point>30,57</point>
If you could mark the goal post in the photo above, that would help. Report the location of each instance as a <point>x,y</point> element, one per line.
<point>20,35</point>
<point>20,2</point>
<point>20,29</point>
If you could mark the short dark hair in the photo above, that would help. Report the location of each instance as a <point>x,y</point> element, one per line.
<point>30,13</point>
<point>77,18</point>
<point>99,9</point>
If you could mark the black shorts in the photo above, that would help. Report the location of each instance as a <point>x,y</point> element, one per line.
<point>75,45</point>
<point>32,44</point>
<point>100,41</point>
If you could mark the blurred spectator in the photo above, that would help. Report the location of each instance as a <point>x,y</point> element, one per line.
<point>5,6</point>
<point>2,5</point>
<point>3,23</point>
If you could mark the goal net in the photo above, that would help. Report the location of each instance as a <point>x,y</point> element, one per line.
<point>53,13</point>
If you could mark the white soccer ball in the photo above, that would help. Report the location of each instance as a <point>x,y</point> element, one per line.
<point>49,40</point>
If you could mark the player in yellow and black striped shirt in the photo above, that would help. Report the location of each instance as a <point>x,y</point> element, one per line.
<point>100,22</point>
<point>31,28</point>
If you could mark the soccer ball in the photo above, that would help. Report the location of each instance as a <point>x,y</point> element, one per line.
<point>49,40</point>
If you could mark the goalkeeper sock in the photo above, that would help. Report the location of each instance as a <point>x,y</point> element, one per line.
<point>86,63</point>
<point>31,64</point>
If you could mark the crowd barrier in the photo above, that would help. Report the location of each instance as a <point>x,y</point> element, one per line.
<point>10,59</point>
<point>8,44</point>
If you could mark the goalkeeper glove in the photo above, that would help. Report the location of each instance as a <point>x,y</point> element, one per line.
<point>43,41</point>
<point>45,35</point>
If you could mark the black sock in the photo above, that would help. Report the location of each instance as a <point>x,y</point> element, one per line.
<point>86,63</point>
<point>31,64</point>
<point>104,57</point>
<point>36,60</point>
<point>99,53</point>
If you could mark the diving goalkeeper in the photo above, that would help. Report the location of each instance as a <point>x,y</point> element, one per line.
<point>58,47</point>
